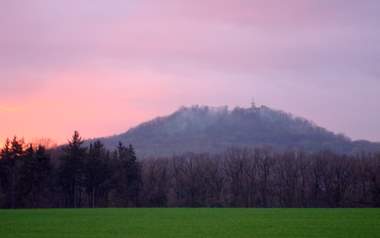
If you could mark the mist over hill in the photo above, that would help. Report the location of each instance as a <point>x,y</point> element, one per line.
<point>206,129</point>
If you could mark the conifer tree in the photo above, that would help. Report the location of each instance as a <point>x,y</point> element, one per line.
<point>133,177</point>
<point>72,171</point>
<point>97,173</point>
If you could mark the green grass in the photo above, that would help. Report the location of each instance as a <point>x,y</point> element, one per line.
<point>177,223</point>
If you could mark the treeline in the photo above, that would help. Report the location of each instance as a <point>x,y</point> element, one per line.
<point>76,176</point>
<point>92,176</point>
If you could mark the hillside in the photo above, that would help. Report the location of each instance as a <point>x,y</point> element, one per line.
<point>215,129</point>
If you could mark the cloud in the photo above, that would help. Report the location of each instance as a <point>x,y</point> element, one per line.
<point>169,52</point>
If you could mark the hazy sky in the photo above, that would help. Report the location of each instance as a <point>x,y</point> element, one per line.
<point>102,66</point>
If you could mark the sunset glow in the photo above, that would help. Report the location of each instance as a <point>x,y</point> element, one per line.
<point>101,67</point>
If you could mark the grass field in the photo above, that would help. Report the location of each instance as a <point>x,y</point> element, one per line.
<point>237,223</point>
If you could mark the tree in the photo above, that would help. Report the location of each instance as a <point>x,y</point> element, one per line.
<point>4,174</point>
<point>133,177</point>
<point>155,183</point>
<point>26,179</point>
<point>127,177</point>
<point>31,176</point>
<point>97,174</point>
<point>72,171</point>
<point>11,156</point>
<point>33,185</point>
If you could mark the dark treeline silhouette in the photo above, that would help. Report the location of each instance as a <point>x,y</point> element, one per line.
<point>91,176</point>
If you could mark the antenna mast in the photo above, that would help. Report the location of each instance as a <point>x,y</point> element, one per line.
<point>253,103</point>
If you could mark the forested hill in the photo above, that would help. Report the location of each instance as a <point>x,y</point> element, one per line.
<point>214,129</point>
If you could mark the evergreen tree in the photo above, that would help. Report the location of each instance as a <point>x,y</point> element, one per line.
<point>119,196</point>
<point>97,174</point>
<point>26,179</point>
<point>11,155</point>
<point>71,176</point>
<point>43,175</point>
<point>133,177</point>
<point>4,172</point>
<point>33,186</point>
<point>127,177</point>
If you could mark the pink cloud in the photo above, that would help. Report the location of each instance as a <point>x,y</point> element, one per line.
<point>103,66</point>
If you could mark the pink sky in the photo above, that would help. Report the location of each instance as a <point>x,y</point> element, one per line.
<point>101,67</point>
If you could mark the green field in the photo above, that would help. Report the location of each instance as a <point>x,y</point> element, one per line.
<point>237,223</point>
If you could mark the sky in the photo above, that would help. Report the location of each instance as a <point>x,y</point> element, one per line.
<point>101,67</point>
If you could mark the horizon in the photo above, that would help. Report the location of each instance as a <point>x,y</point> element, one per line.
<point>50,143</point>
<point>104,67</point>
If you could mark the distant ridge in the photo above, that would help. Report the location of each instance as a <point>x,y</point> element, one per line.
<point>204,129</point>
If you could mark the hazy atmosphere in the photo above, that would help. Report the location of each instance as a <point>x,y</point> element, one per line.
<point>104,66</point>
<point>189,118</point>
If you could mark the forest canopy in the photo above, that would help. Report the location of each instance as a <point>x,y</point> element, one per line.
<point>76,175</point>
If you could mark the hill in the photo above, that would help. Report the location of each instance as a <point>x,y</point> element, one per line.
<point>201,129</point>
